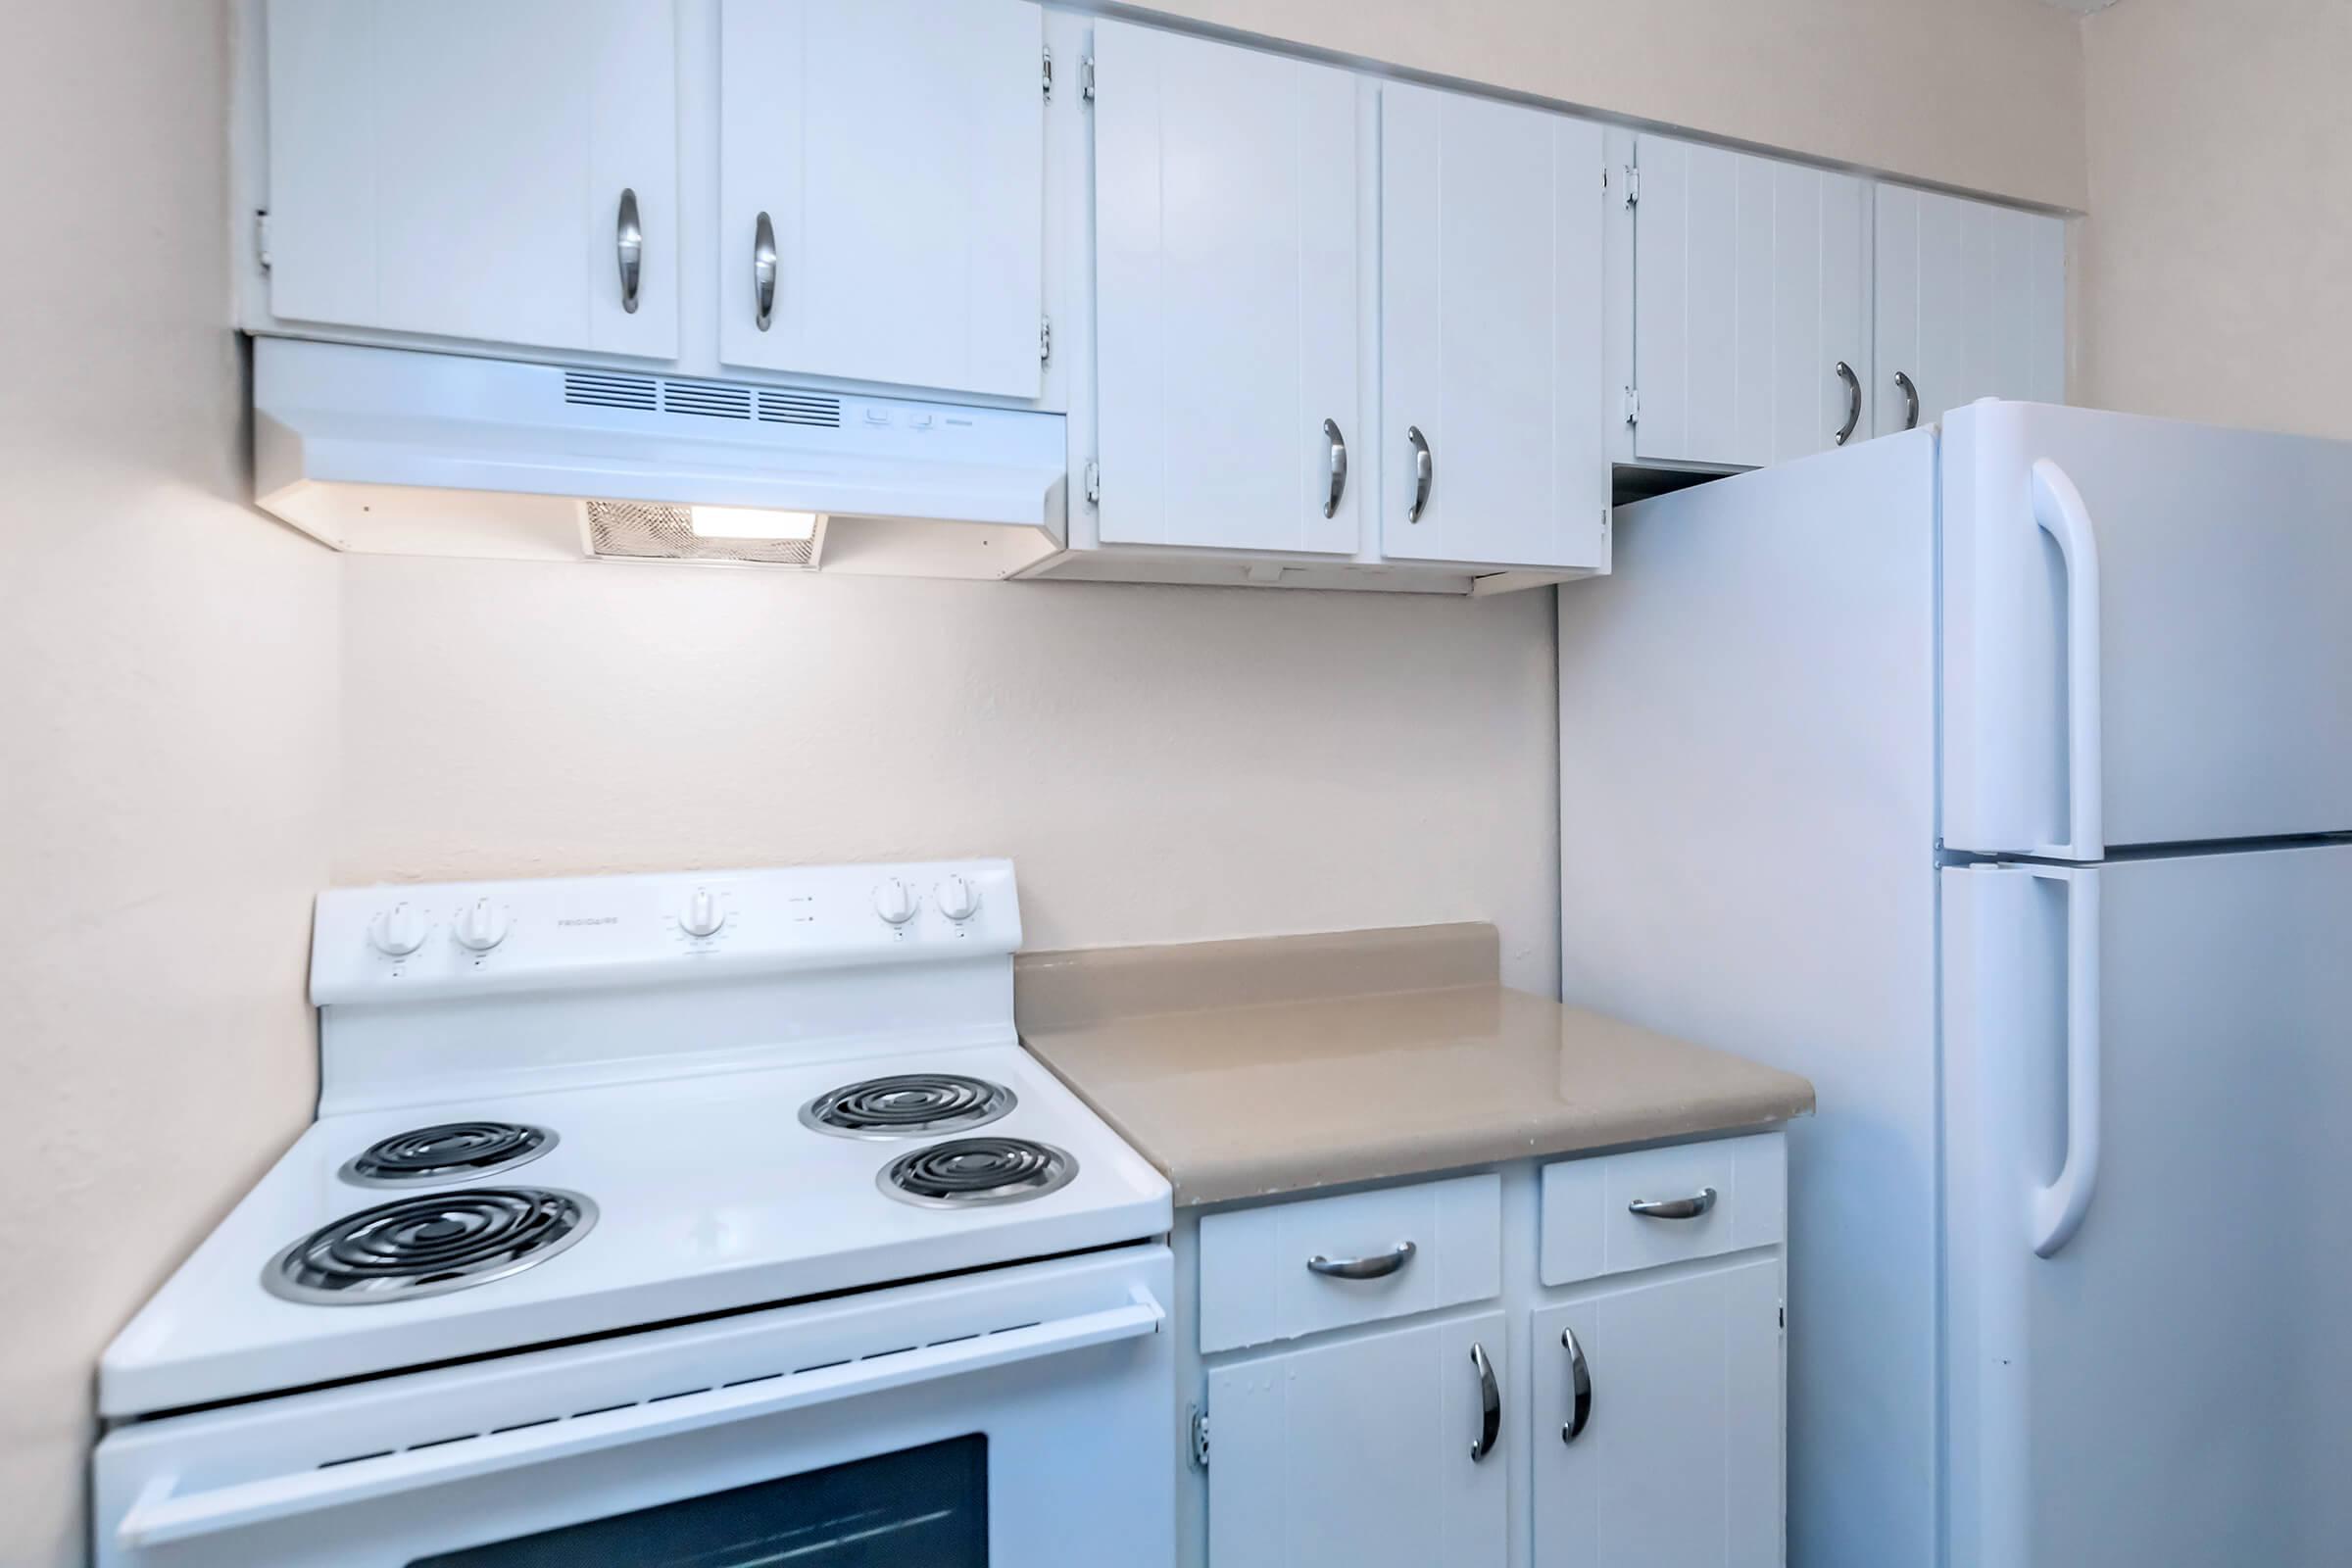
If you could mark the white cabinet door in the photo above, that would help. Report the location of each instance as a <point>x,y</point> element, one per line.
<point>1226,309</point>
<point>1680,1460</point>
<point>1751,288</point>
<point>1360,1452</point>
<point>1971,304</point>
<point>1490,330</point>
<point>457,169</point>
<point>896,149</point>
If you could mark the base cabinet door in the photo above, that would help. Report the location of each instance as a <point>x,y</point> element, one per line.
<point>1679,1456</point>
<point>1493,447</point>
<point>882,191</point>
<point>1226,318</point>
<point>1364,1452</point>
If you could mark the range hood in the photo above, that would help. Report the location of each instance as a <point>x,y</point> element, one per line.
<point>392,450</point>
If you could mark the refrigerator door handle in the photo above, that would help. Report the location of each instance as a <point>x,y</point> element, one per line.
<point>2058,511</point>
<point>2059,1207</point>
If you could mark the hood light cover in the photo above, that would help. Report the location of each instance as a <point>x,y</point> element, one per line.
<point>751,522</point>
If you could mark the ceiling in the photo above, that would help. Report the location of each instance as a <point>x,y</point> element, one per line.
<point>2080,7</point>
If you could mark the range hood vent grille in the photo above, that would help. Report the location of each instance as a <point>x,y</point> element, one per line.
<point>589,389</point>
<point>711,400</point>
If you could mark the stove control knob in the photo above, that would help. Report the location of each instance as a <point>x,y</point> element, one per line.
<point>397,931</point>
<point>483,927</point>
<point>703,916</point>
<point>957,899</point>
<point>893,902</point>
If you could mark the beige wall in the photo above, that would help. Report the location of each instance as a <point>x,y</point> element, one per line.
<point>2217,262</point>
<point>1981,94</point>
<point>167,723</point>
<point>1161,763</point>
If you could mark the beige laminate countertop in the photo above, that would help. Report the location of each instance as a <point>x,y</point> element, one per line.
<point>1304,1066</point>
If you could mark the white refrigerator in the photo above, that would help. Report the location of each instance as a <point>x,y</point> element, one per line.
<point>1999,779</point>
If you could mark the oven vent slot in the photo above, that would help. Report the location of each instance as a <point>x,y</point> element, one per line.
<point>663,1399</point>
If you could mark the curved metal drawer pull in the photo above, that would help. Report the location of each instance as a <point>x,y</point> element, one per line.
<point>1424,472</point>
<point>628,239</point>
<point>1489,1406</point>
<point>1910,401</point>
<point>1580,1388</point>
<point>1339,467</point>
<point>1853,403</point>
<point>1380,1265</point>
<point>1674,1207</point>
<point>764,271</point>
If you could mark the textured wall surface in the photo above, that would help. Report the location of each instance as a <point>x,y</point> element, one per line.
<point>167,724</point>
<point>2217,262</point>
<point>1161,763</point>
<point>1986,95</point>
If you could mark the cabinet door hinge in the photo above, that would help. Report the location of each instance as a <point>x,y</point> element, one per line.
<point>1048,74</point>
<point>1196,1420</point>
<point>1044,339</point>
<point>1633,406</point>
<point>260,239</point>
<point>1086,78</point>
<point>1632,186</point>
<point>1092,479</point>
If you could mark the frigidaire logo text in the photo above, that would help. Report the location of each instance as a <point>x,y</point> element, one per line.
<point>593,919</point>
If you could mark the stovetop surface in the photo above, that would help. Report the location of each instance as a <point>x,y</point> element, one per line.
<point>709,1194</point>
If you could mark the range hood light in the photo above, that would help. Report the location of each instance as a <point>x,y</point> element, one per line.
<point>750,522</point>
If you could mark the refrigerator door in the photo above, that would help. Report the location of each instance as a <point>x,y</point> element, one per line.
<point>2145,633</point>
<point>2164,1038</point>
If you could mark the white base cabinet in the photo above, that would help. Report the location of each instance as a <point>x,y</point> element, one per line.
<point>1352,1424</point>
<point>1678,1457</point>
<point>1369,1452</point>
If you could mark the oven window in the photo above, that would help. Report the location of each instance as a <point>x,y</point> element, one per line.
<point>923,1507</point>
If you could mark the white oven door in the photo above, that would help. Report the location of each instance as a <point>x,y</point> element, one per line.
<point>1021,1416</point>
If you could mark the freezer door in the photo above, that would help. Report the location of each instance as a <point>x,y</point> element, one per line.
<point>2145,634</point>
<point>2163,1042</point>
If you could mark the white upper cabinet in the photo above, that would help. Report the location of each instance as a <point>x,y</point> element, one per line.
<point>1226,194</point>
<point>1971,304</point>
<point>1751,306</point>
<point>473,170</point>
<point>1492,441</point>
<point>881,190</point>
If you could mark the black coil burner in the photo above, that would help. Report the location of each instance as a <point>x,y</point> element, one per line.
<point>970,1171</point>
<point>429,1244</point>
<point>915,1105</point>
<point>452,1152</point>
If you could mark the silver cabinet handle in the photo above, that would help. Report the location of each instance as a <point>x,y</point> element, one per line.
<point>628,243</point>
<point>1489,1406</point>
<point>1424,471</point>
<point>764,271</point>
<point>1853,403</point>
<point>1580,1388</point>
<point>1910,401</point>
<point>1674,1207</point>
<point>1339,467</point>
<point>1377,1266</point>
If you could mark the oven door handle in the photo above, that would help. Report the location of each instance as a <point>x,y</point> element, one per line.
<point>163,1515</point>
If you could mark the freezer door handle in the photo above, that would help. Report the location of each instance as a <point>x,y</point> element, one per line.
<point>2059,1207</point>
<point>2058,511</point>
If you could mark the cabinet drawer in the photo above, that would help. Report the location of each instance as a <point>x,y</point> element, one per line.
<point>1590,1226</point>
<point>1431,1245</point>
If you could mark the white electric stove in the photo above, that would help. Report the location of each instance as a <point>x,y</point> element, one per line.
<point>712,1218</point>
